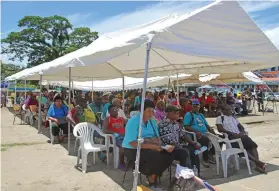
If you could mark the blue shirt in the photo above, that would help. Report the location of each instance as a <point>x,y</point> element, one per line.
<point>105,109</point>
<point>137,101</point>
<point>56,112</point>
<point>197,122</point>
<point>131,132</point>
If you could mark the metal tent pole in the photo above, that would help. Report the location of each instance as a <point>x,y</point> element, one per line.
<point>73,90</point>
<point>40,104</point>
<point>140,140</point>
<point>69,125</point>
<point>15,94</point>
<point>177,86</point>
<point>25,89</point>
<point>123,91</point>
<point>92,95</point>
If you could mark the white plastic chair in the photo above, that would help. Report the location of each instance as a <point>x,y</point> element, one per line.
<point>225,154</point>
<point>115,151</point>
<point>85,132</point>
<point>50,132</point>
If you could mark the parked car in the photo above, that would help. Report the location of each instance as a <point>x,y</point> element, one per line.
<point>272,96</point>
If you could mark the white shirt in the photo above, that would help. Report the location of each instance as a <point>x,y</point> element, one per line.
<point>230,123</point>
<point>120,114</point>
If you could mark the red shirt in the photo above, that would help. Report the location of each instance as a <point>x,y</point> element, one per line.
<point>201,99</point>
<point>187,108</point>
<point>74,117</point>
<point>209,100</point>
<point>116,125</point>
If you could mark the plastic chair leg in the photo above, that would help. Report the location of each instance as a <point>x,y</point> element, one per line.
<point>236,161</point>
<point>108,157</point>
<point>217,163</point>
<point>247,162</point>
<point>84,161</point>
<point>94,158</point>
<point>14,119</point>
<point>78,157</point>
<point>75,145</point>
<point>224,163</point>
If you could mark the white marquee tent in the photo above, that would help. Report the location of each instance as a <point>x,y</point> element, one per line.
<point>229,78</point>
<point>218,38</point>
<point>212,39</point>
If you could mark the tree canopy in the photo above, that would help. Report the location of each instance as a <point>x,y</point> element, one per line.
<point>9,69</point>
<point>43,39</point>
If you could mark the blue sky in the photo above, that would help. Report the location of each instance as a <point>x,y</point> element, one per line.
<point>112,16</point>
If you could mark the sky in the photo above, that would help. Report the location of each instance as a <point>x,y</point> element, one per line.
<point>104,16</point>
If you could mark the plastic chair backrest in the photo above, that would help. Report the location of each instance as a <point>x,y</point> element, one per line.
<point>215,141</point>
<point>85,132</point>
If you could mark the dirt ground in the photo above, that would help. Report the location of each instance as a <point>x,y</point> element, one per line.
<point>29,163</point>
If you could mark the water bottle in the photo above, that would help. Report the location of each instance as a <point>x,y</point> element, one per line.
<point>195,170</point>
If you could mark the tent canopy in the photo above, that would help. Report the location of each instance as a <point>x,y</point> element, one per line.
<point>230,77</point>
<point>208,40</point>
<point>116,84</point>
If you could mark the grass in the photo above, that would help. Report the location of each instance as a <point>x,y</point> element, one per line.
<point>5,147</point>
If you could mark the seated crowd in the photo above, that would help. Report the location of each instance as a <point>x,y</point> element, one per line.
<point>165,127</point>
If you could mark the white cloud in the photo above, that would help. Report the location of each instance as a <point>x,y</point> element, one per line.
<point>144,15</point>
<point>78,18</point>
<point>273,35</point>
<point>254,6</point>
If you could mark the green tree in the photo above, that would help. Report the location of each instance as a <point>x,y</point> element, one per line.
<point>9,69</point>
<point>42,39</point>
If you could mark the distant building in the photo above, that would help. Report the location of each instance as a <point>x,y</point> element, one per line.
<point>270,76</point>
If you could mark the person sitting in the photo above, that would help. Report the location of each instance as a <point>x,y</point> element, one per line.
<point>202,101</point>
<point>31,101</point>
<point>159,113</point>
<point>228,124</point>
<point>114,124</point>
<point>153,159</point>
<point>196,122</point>
<point>57,113</point>
<point>171,134</point>
<point>116,102</point>
<point>211,104</point>
<point>105,109</point>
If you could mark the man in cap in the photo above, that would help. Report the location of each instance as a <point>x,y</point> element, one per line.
<point>196,122</point>
<point>171,133</point>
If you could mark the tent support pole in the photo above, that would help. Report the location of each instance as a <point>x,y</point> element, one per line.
<point>25,89</point>
<point>123,90</point>
<point>92,95</point>
<point>7,94</point>
<point>140,140</point>
<point>15,94</point>
<point>69,124</point>
<point>73,90</point>
<point>177,86</point>
<point>40,105</point>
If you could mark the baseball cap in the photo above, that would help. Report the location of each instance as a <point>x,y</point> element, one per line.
<point>171,108</point>
<point>195,102</point>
